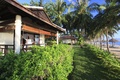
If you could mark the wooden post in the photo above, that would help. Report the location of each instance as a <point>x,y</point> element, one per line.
<point>18,24</point>
<point>6,49</point>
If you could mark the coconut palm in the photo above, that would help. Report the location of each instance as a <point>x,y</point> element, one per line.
<point>41,3</point>
<point>82,17</point>
<point>110,18</point>
<point>68,23</point>
<point>105,19</point>
<point>36,3</point>
<point>55,10</point>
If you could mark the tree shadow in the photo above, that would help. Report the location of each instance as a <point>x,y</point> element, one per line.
<point>88,67</point>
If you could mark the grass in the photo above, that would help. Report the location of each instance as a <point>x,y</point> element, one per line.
<point>91,63</point>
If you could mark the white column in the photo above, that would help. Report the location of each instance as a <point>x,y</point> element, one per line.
<point>42,40</point>
<point>18,24</point>
<point>57,36</point>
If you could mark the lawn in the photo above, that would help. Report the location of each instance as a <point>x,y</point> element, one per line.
<point>91,63</point>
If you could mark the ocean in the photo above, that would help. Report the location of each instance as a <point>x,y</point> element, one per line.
<point>116,43</point>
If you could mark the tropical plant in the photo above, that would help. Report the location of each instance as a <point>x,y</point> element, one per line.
<point>82,18</point>
<point>105,20</point>
<point>41,63</point>
<point>55,11</point>
<point>36,3</point>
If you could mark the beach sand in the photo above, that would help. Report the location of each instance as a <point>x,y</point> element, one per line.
<point>114,50</point>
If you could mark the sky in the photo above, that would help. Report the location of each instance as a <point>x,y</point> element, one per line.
<point>91,1</point>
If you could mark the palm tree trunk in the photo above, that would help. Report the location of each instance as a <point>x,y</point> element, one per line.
<point>41,3</point>
<point>93,42</point>
<point>112,42</point>
<point>107,41</point>
<point>100,42</point>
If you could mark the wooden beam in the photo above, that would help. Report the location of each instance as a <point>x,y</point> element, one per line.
<point>3,11</point>
<point>36,30</point>
<point>2,30</point>
<point>7,28</point>
<point>7,22</point>
<point>11,9</point>
<point>39,25</point>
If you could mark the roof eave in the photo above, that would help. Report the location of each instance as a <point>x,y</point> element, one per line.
<point>12,2</point>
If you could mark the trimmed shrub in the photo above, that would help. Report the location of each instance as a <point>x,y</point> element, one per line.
<point>42,63</point>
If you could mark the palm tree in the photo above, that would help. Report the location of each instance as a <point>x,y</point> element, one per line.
<point>82,17</point>
<point>36,3</point>
<point>68,23</point>
<point>110,18</point>
<point>55,10</point>
<point>41,3</point>
<point>106,19</point>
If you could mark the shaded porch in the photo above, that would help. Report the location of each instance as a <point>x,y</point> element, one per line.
<point>18,22</point>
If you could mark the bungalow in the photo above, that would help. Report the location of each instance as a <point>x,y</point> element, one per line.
<point>20,23</point>
<point>67,39</point>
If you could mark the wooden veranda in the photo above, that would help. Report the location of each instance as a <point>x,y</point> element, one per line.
<point>17,22</point>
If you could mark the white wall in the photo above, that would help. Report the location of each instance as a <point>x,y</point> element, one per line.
<point>6,38</point>
<point>66,41</point>
<point>42,40</point>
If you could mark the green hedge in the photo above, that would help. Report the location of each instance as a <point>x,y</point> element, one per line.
<point>47,63</point>
<point>108,60</point>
